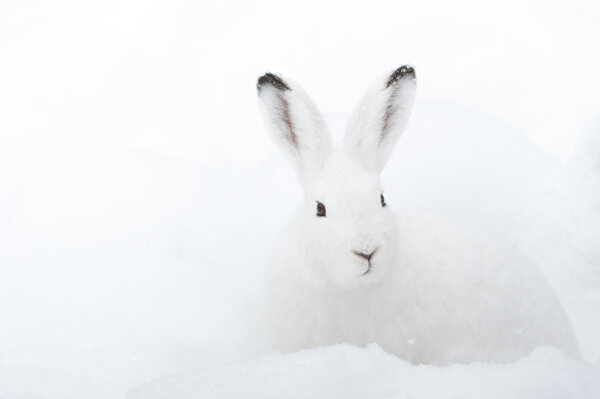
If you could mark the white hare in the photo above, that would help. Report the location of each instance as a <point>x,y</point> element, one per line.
<point>347,270</point>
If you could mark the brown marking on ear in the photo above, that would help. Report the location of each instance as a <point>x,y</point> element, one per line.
<point>285,110</point>
<point>389,112</point>
<point>278,83</point>
<point>403,72</point>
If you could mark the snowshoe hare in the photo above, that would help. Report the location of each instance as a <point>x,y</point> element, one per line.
<point>347,270</point>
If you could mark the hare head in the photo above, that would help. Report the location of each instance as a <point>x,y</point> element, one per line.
<point>345,233</point>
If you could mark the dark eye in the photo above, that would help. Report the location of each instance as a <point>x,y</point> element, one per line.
<point>382,200</point>
<point>320,209</point>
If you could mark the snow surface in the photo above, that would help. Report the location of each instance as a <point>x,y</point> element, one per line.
<point>343,371</point>
<point>139,192</point>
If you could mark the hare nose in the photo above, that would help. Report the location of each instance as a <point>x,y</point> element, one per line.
<point>366,256</point>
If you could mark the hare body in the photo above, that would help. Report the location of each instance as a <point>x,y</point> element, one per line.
<point>347,270</point>
<point>450,296</point>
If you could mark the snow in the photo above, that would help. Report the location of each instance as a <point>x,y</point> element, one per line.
<point>343,371</point>
<point>139,192</point>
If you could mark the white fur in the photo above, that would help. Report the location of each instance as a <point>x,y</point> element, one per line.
<point>434,291</point>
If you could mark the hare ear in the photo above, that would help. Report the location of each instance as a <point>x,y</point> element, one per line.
<point>380,118</point>
<point>295,124</point>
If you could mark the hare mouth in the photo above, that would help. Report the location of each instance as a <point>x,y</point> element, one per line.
<point>366,271</point>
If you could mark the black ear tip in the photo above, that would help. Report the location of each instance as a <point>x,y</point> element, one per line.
<point>273,80</point>
<point>400,73</point>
